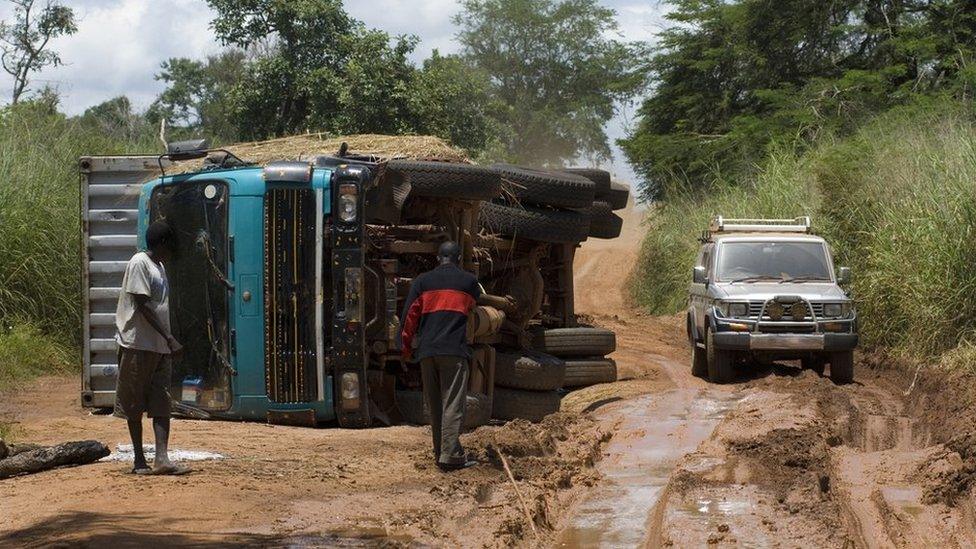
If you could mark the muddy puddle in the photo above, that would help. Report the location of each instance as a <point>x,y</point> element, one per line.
<point>653,433</point>
<point>353,538</point>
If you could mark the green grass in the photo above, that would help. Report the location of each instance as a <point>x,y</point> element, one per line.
<point>26,352</point>
<point>897,201</point>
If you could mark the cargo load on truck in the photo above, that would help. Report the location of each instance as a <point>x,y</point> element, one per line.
<point>295,258</point>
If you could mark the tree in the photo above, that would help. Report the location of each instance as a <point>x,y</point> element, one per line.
<point>732,77</point>
<point>116,119</point>
<point>24,45</point>
<point>555,71</point>
<point>197,92</point>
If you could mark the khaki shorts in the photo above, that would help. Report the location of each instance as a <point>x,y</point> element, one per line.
<point>143,384</point>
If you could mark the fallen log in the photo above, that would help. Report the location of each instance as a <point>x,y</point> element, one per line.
<point>49,457</point>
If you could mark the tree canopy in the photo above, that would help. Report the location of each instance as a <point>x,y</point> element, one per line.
<point>730,78</point>
<point>557,75</point>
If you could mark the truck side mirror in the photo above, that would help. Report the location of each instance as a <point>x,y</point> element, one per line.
<point>698,275</point>
<point>843,275</point>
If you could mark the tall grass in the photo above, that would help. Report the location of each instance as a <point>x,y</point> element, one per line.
<point>897,201</point>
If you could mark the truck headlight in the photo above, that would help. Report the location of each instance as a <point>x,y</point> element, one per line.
<point>734,310</point>
<point>836,310</point>
<point>348,202</point>
<point>349,389</point>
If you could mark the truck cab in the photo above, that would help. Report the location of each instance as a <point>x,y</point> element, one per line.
<point>767,289</point>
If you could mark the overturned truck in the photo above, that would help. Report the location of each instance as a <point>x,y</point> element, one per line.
<point>291,274</point>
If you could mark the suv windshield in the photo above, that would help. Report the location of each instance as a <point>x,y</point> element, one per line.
<point>754,261</point>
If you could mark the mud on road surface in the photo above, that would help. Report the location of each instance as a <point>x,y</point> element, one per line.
<point>659,458</point>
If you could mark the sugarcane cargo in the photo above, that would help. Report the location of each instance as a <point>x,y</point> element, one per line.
<point>295,256</point>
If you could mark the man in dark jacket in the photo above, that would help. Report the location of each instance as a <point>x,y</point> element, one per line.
<point>435,318</point>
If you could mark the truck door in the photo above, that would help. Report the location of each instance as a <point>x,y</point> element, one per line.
<point>110,187</point>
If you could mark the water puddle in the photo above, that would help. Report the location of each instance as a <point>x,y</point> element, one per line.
<point>125,452</point>
<point>365,537</point>
<point>655,432</point>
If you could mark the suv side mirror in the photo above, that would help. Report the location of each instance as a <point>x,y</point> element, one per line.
<point>698,275</point>
<point>843,275</point>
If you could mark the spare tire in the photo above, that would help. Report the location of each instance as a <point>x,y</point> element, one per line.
<point>618,196</point>
<point>413,408</point>
<point>603,222</point>
<point>448,179</point>
<point>600,179</point>
<point>512,404</point>
<point>529,370</point>
<point>575,342</point>
<point>535,223</point>
<point>542,188</point>
<point>583,372</point>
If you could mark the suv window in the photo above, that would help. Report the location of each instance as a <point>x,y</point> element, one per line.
<point>776,260</point>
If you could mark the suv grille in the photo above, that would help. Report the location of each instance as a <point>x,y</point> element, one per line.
<point>755,307</point>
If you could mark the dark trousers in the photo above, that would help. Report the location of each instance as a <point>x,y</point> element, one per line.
<point>446,391</point>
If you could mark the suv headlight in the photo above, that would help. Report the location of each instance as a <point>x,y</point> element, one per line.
<point>836,310</point>
<point>733,309</point>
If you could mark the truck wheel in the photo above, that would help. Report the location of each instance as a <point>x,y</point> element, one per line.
<point>815,363</point>
<point>477,409</point>
<point>529,370</point>
<point>583,372</point>
<point>600,179</point>
<point>542,188</point>
<point>448,179</point>
<point>603,222</point>
<point>842,367</point>
<point>719,362</point>
<point>575,342</point>
<point>512,404</point>
<point>535,224</point>
<point>619,195</point>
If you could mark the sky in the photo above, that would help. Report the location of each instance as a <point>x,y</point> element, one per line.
<point>120,44</point>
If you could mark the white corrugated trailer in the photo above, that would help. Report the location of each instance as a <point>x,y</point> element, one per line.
<point>110,187</point>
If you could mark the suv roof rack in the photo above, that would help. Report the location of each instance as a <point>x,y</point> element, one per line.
<point>720,224</point>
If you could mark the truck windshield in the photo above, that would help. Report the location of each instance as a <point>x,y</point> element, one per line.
<point>783,261</point>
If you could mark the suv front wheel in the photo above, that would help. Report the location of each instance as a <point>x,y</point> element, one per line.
<point>719,362</point>
<point>842,367</point>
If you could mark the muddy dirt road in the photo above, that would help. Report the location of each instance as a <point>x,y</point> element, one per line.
<point>659,458</point>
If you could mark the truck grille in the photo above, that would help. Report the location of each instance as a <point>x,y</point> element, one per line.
<point>289,295</point>
<point>755,307</point>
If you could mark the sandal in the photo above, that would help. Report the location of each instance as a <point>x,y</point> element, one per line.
<point>144,470</point>
<point>171,469</point>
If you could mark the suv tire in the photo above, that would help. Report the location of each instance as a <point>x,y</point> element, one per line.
<point>719,362</point>
<point>529,370</point>
<point>842,367</point>
<point>509,404</point>
<point>561,190</point>
<point>535,224</point>
<point>448,179</point>
<point>575,342</point>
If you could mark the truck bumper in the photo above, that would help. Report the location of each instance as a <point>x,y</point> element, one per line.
<point>739,341</point>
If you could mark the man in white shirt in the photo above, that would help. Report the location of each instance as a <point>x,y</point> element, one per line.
<point>145,345</point>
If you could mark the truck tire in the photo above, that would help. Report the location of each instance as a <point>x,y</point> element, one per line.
<point>529,370</point>
<point>600,179</point>
<point>719,362</point>
<point>448,179</point>
<point>618,196</point>
<point>512,404</point>
<point>842,367</point>
<point>542,188</point>
<point>535,223</point>
<point>477,409</point>
<point>583,372</point>
<point>575,342</point>
<point>603,222</point>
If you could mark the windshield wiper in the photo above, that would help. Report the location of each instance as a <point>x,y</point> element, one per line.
<point>756,278</point>
<point>808,278</point>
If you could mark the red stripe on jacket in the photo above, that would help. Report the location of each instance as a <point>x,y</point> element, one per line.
<point>433,301</point>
